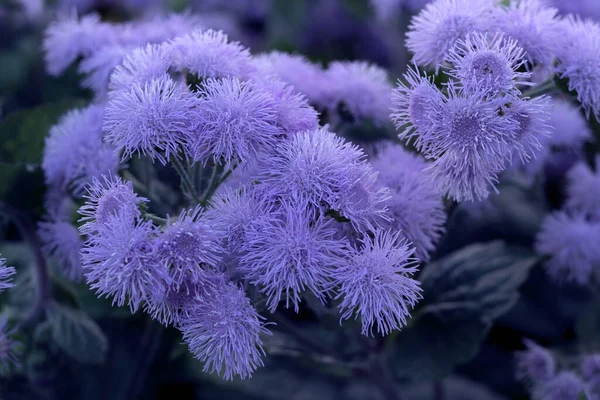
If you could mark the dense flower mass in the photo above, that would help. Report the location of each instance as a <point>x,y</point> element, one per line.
<point>6,274</point>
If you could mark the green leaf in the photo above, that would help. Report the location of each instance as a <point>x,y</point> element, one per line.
<point>462,294</point>
<point>77,334</point>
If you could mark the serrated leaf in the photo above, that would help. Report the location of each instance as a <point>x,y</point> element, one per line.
<point>77,334</point>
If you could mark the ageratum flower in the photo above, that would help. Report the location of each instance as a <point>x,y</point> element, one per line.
<point>187,246</point>
<point>318,169</point>
<point>10,349</point>
<point>578,61</point>
<point>99,65</point>
<point>532,24</point>
<point>107,199</point>
<point>535,364</point>
<point>209,54</point>
<point>483,63</point>
<point>6,274</point>
<point>154,118</point>
<point>435,30</point>
<point>415,207</point>
<point>122,262</point>
<point>584,190</point>
<point>288,252</point>
<point>363,88</point>
<point>140,66</point>
<point>569,127</point>
<point>564,386</point>
<point>376,282</point>
<point>61,240</point>
<point>572,243</point>
<point>415,107</point>
<point>75,153</point>
<point>235,120</point>
<point>590,370</point>
<point>223,330</point>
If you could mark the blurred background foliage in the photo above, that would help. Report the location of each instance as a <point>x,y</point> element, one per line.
<point>483,293</point>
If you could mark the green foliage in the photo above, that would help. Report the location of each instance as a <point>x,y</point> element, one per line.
<point>463,293</point>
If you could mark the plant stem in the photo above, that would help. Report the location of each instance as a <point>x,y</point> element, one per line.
<point>538,90</point>
<point>155,218</point>
<point>186,183</point>
<point>214,183</point>
<point>150,343</point>
<point>381,378</point>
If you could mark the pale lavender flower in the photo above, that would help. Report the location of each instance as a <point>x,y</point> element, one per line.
<point>6,274</point>
<point>532,24</point>
<point>535,364</point>
<point>362,88</point>
<point>288,252</point>
<point>532,115</point>
<point>61,240</point>
<point>223,330</point>
<point>99,66</point>
<point>140,66</point>
<point>187,246</point>
<point>386,9</point>
<point>376,282</point>
<point>153,118</point>
<point>572,243</point>
<point>487,63</point>
<point>569,128</point>
<point>590,369</point>
<point>75,153</point>
<point>160,28</point>
<point>122,262</point>
<point>435,30</point>
<point>564,386</point>
<point>235,120</point>
<point>579,61</point>
<point>415,206</point>
<point>10,349</point>
<point>109,198</point>
<point>584,190</point>
<point>209,54</point>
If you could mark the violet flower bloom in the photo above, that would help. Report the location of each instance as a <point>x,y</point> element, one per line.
<point>535,364</point>
<point>98,67</point>
<point>584,190</point>
<point>6,274</point>
<point>376,282</point>
<point>10,349</point>
<point>590,370</point>
<point>61,240</point>
<point>140,66</point>
<point>564,386</point>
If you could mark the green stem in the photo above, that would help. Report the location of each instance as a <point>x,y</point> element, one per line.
<point>214,183</point>
<point>186,183</point>
<point>538,90</point>
<point>155,218</point>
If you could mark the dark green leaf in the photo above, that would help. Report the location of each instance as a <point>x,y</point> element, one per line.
<point>77,334</point>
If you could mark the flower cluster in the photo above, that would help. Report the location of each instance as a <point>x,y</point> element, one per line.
<point>9,348</point>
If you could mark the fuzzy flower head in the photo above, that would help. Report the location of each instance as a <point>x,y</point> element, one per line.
<point>75,153</point>
<point>579,62</point>
<point>535,364</point>
<point>590,369</point>
<point>584,190</point>
<point>61,240</point>
<point>435,30</point>
<point>288,252</point>
<point>99,66</point>
<point>140,66</point>
<point>415,206</point>
<point>10,349</point>
<point>236,119</point>
<point>532,24</point>
<point>121,262</point>
<point>572,243</point>
<point>6,274</point>
<point>484,63</point>
<point>209,54</point>
<point>223,331</point>
<point>109,198</point>
<point>376,282</point>
<point>153,119</point>
<point>363,88</point>
<point>319,169</point>
<point>188,245</point>
<point>532,115</point>
<point>414,106</point>
<point>569,127</point>
<point>564,386</point>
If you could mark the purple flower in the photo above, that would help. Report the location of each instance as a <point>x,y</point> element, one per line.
<point>483,63</point>
<point>140,66</point>
<point>590,369</point>
<point>570,129</point>
<point>318,169</point>
<point>415,206</point>
<point>223,330</point>
<point>385,9</point>
<point>6,274</point>
<point>532,115</point>
<point>572,243</point>
<point>435,30</point>
<point>75,153</point>
<point>415,106</point>
<point>99,66</point>
<point>535,364</point>
<point>154,118</point>
<point>209,54</point>
<point>187,246</point>
<point>122,262</point>
<point>363,88</point>
<point>108,199</point>
<point>288,252</point>
<point>376,282</point>
<point>532,25</point>
<point>579,61</point>
<point>70,37</point>
<point>236,119</point>
<point>10,349</point>
<point>584,190</point>
<point>61,240</point>
<point>564,386</point>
